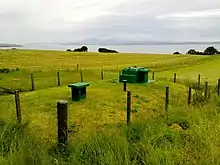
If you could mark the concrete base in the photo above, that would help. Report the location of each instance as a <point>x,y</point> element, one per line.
<point>151,81</point>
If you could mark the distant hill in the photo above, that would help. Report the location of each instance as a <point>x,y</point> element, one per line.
<point>9,45</point>
<point>94,41</point>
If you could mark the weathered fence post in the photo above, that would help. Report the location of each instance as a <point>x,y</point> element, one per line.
<point>174,78</point>
<point>102,73</point>
<point>153,76</point>
<point>62,107</point>
<point>206,90</point>
<point>32,82</point>
<point>199,81</point>
<point>58,78</point>
<point>18,105</point>
<point>218,90</point>
<point>128,107</point>
<point>166,102</point>
<point>77,67</point>
<point>81,75</point>
<point>189,95</point>
<point>125,85</point>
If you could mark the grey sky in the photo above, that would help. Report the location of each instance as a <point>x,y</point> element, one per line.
<point>26,21</point>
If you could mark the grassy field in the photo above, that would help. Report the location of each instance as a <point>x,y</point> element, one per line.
<point>97,130</point>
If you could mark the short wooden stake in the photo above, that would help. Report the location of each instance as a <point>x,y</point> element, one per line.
<point>128,107</point>
<point>199,81</point>
<point>125,85</point>
<point>32,82</point>
<point>206,90</point>
<point>189,95</point>
<point>62,107</point>
<point>58,78</point>
<point>102,74</point>
<point>18,105</point>
<point>81,75</point>
<point>174,78</point>
<point>218,90</point>
<point>166,102</point>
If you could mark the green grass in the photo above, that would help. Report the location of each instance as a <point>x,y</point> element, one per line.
<point>97,129</point>
<point>208,71</point>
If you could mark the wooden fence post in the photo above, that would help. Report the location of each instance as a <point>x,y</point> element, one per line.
<point>206,90</point>
<point>102,74</point>
<point>128,107</point>
<point>218,90</point>
<point>62,107</point>
<point>58,78</point>
<point>18,105</point>
<point>153,76</point>
<point>199,81</point>
<point>189,95</point>
<point>174,78</point>
<point>81,75</point>
<point>125,85</point>
<point>166,102</point>
<point>32,82</point>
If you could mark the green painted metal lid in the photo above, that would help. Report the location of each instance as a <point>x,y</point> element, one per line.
<point>78,85</point>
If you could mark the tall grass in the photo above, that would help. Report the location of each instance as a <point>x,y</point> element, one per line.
<point>189,136</point>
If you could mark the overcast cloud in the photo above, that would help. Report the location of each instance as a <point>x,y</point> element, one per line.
<point>27,21</point>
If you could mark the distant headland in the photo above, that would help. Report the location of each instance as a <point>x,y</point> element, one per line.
<point>9,45</point>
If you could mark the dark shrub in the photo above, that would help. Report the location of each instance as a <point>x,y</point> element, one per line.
<point>192,52</point>
<point>208,51</point>
<point>211,51</point>
<point>82,49</point>
<point>68,50</point>
<point>104,50</point>
<point>176,53</point>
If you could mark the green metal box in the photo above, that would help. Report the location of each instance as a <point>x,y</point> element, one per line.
<point>134,75</point>
<point>78,90</point>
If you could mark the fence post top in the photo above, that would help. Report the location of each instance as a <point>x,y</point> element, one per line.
<point>62,102</point>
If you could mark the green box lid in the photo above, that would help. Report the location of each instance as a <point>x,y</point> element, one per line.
<point>78,85</point>
<point>136,69</point>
